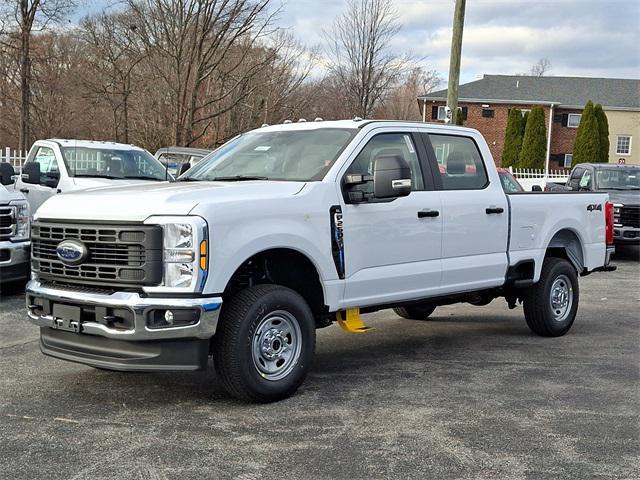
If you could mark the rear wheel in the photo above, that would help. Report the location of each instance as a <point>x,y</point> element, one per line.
<point>265,343</point>
<point>550,306</point>
<point>418,311</point>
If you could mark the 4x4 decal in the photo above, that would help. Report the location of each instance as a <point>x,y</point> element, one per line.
<point>594,207</point>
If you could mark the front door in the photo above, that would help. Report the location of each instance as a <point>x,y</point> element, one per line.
<point>38,193</point>
<point>392,248</point>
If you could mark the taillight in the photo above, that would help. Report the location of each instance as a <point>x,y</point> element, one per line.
<point>608,211</point>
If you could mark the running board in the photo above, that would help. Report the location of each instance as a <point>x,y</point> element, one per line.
<point>352,323</point>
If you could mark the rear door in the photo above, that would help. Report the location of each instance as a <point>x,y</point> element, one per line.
<point>475,212</point>
<point>392,247</point>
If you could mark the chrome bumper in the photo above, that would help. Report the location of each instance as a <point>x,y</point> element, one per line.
<point>18,253</point>
<point>140,306</point>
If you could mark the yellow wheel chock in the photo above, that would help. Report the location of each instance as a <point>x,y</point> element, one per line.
<point>353,323</point>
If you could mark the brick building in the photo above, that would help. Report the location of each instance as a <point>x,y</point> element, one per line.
<point>486,104</point>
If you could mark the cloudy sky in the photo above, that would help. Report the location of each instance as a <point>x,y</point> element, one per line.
<point>595,38</point>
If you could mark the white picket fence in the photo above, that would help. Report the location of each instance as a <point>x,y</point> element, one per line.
<point>13,156</point>
<point>528,177</point>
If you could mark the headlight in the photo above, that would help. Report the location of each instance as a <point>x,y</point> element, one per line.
<point>617,208</point>
<point>23,226</point>
<point>184,253</point>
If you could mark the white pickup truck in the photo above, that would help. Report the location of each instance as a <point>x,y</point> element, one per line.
<point>288,228</point>
<point>14,229</point>
<point>59,166</point>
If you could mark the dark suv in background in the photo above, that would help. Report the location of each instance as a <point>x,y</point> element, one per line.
<point>622,183</point>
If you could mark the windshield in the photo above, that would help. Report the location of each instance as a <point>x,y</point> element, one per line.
<point>618,178</point>
<point>116,163</point>
<point>297,155</point>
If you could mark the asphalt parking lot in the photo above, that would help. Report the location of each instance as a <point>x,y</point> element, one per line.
<point>472,394</point>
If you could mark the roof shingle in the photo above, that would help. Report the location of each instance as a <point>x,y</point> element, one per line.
<point>614,93</point>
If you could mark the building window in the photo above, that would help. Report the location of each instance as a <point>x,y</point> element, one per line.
<point>442,113</point>
<point>623,145</point>
<point>488,113</point>
<point>524,111</point>
<point>573,120</point>
<point>568,160</point>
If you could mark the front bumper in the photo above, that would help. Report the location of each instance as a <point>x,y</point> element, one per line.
<point>626,235</point>
<point>14,261</point>
<point>87,334</point>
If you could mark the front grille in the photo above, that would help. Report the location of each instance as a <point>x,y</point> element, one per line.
<point>7,222</point>
<point>630,216</point>
<point>118,255</point>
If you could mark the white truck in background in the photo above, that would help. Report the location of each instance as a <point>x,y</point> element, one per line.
<point>57,165</point>
<point>291,227</point>
<point>14,229</point>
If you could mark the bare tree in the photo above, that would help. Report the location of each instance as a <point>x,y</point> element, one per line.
<point>22,17</point>
<point>540,68</point>
<point>401,102</point>
<point>195,46</point>
<point>113,55</point>
<point>359,58</point>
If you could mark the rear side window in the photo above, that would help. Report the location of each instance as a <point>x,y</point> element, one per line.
<point>459,161</point>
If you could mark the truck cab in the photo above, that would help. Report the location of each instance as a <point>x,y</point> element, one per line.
<point>289,228</point>
<point>56,166</point>
<point>622,183</point>
<point>14,229</point>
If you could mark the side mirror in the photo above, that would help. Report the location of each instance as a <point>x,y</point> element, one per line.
<point>536,188</point>
<point>31,173</point>
<point>183,168</point>
<point>391,177</point>
<point>6,173</point>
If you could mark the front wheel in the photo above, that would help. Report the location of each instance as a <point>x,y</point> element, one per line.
<point>550,306</point>
<point>265,343</point>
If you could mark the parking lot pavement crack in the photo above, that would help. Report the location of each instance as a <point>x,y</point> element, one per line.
<point>4,346</point>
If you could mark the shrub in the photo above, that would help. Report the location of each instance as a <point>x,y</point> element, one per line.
<point>512,139</point>
<point>534,142</point>
<point>603,130</point>
<point>587,148</point>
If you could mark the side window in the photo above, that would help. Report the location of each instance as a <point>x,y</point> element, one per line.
<point>585,181</point>
<point>397,144</point>
<point>459,161</point>
<point>48,164</point>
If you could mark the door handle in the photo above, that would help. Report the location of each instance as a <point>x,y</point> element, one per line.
<point>428,213</point>
<point>24,190</point>
<point>491,210</point>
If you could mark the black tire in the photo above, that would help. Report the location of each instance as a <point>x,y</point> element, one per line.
<point>542,317</point>
<point>416,311</point>
<point>236,338</point>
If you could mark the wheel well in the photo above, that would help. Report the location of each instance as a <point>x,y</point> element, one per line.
<point>282,266</point>
<point>566,244</point>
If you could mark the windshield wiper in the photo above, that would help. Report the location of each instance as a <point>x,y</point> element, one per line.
<point>239,178</point>
<point>142,177</point>
<point>189,179</point>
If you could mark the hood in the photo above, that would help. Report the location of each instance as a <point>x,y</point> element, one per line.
<point>631,197</point>
<point>135,203</point>
<point>9,193</point>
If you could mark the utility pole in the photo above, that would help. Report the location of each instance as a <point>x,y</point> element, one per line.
<point>454,63</point>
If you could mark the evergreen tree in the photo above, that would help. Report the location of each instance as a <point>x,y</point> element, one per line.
<point>459,117</point>
<point>603,130</point>
<point>512,139</point>
<point>587,148</point>
<point>534,143</point>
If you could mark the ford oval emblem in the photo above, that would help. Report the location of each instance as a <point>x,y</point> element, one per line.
<point>72,252</point>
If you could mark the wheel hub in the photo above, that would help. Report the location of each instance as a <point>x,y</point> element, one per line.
<point>561,298</point>
<point>277,343</point>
